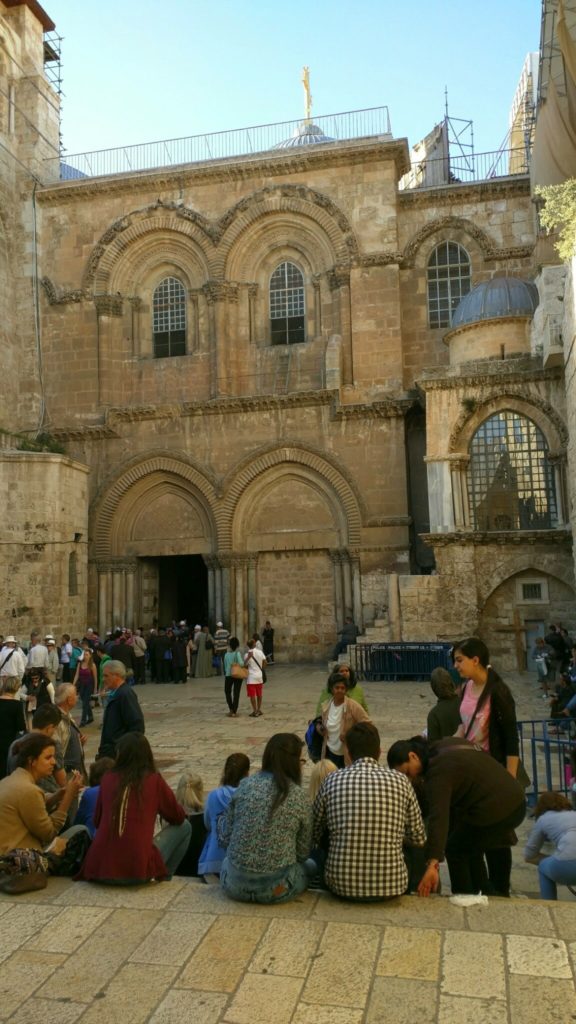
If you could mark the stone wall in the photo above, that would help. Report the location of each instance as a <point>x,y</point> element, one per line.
<point>296,592</point>
<point>43,543</point>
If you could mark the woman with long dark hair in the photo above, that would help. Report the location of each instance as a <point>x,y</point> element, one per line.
<point>267,829</point>
<point>236,768</point>
<point>488,716</point>
<point>124,850</point>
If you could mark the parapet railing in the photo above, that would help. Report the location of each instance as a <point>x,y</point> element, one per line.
<point>465,168</point>
<point>331,128</point>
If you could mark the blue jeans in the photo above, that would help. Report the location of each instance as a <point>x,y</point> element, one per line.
<point>255,887</point>
<point>552,870</point>
<point>173,842</point>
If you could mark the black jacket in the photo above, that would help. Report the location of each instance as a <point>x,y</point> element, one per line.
<point>122,715</point>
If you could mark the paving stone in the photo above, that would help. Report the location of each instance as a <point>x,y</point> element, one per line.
<point>540,958</point>
<point>473,965</point>
<point>35,1010</point>
<point>340,979</point>
<point>173,939</point>
<point>210,899</point>
<point>69,929</point>
<point>20,976</point>
<point>263,999</point>
<point>94,964</point>
<point>410,953</point>
<point>402,1001</point>
<point>183,1006</point>
<point>541,1000</point>
<point>459,1010</point>
<point>152,896</point>
<point>287,948</point>
<point>314,1013</point>
<point>564,917</point>
<point>406,911</point>
<point>20,923</point>
<point>511,917</point>
<point>223,955</point>
<point>131,995</point>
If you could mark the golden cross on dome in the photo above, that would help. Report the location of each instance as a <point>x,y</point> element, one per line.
<point>307,94</point>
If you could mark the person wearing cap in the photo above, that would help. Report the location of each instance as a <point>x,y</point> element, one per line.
<point>53,659</point>
<point>12,659</point>
<point>221,637</point>
<point>38,652</point>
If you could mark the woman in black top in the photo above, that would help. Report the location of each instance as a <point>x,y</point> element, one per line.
<point>12,718</point>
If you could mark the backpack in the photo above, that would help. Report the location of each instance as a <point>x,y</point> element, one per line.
<point>314,740</point>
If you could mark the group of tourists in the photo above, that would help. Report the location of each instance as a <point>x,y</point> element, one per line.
<point>366,831</point>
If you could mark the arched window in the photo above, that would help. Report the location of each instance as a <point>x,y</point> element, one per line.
<point>169,318</point>
<point>510,480</point>
<point>448,282</point>
<point>287,306</point>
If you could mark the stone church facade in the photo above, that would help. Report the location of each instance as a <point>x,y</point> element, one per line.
<point>263,412</point>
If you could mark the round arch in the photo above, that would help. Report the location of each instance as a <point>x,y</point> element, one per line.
<point>116,512</point>
<point>320,473</point>
<point>534,408</point>
<point>457,229</point>
<point>558,566</point>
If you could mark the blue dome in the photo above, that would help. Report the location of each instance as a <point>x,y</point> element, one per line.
<point>500,297</point>
<point>306,134</point>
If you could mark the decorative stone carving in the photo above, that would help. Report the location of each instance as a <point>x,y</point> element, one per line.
<point>109,305</point>
<point>61,297</point>
<point>220,291</point>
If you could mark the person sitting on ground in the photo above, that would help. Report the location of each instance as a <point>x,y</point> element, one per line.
<point>12,717</point>
<point>320,771</point>
<point>69,736</point>
<point>25,822</point>
<point>236,768</point>
<point>555,823</point>
<point>367,810</point>
<point>348,636</point>
<point>474,803</point>
<point>45,721</point>
<point>124,850</point>
<point>267,829</point>
<point>444,717</point>
<point>354,692</point>
<point>339,714</point>
<point>88,800</point>
<point>190,795</point>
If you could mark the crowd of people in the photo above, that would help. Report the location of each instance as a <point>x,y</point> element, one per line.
<point>365,830</point>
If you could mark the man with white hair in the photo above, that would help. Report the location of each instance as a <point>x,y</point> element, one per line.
<point>12,659</point>
<point>122,713</point>
<point>38,652</point>
<point>67,733</point>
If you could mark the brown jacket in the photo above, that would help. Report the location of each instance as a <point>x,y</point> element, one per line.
<point>24,820</point>
<point>353,712</point>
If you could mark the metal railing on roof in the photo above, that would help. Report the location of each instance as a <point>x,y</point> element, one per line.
<point>466,168</point>
<point>239,142</point>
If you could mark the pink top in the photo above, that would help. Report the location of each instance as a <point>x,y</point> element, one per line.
<point>479,732</point>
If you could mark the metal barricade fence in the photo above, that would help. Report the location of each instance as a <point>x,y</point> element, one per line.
<point>546,755</point>
<point>392,661</point>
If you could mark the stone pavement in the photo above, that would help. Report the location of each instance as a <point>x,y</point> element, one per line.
<point>179,951</point>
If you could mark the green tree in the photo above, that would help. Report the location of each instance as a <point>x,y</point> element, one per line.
<point>559,214</point>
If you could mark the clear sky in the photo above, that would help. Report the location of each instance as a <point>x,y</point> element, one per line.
<point>138,71</point>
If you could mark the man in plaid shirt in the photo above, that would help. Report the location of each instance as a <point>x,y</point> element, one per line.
<point>368,812</point>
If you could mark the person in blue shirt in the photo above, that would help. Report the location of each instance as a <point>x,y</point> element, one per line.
<point>236,768</point>
<point>556,824</point>
<point>87,805</point>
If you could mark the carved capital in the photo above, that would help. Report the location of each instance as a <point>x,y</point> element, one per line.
<point>109,305</point>
<point>220,291</point>
<point>338,277</point>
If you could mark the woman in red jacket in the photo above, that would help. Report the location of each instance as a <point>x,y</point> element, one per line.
<point>124,850</point>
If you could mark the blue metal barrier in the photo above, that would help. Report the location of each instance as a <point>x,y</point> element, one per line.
<point>546,754</point>
<point>388,661</point>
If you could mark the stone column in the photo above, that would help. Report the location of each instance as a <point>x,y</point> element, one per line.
<point>130,591</point>
<point>251,572</point>
<point>133,308</point>
<point>440,503</point>
<point>317,306</point>
<point>218,613</point>
<point>338,598</point>
<point>104,584</point>
<point>219,296</point>
<point>347,584</point>
<point>117,597</point>
<point>357,594</point>
<point>339,280</point>
<point>239,569</point>
<point>209,563</point>
<point>252,293</point>
<point>394,611</point>
<point>227,584</point>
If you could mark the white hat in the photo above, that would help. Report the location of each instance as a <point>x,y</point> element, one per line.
<point>182,622</point>
<point>197,626</point>
<point>10,640</point>
<point>51,643</point>
<point>48,636</point>
<point>219,624</point>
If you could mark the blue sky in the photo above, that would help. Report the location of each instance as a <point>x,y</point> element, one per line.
<point>137,71</point>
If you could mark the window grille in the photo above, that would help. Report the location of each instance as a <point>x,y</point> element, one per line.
<point>169,319</point>
<point>532,591</point>
<point>287,305</point>
<point>448,282</point>
<point>510,481</point>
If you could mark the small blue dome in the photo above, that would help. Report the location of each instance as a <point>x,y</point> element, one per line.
<point>306,134</point>
<point>500,297</point>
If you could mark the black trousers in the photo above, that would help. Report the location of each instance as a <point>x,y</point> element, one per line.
<point>232,687</point>
<point>467,844</point>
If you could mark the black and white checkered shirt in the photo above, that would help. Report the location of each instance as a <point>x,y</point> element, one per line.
<point>368,811</point>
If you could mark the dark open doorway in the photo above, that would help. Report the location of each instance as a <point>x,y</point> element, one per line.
<point>182,590</point>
